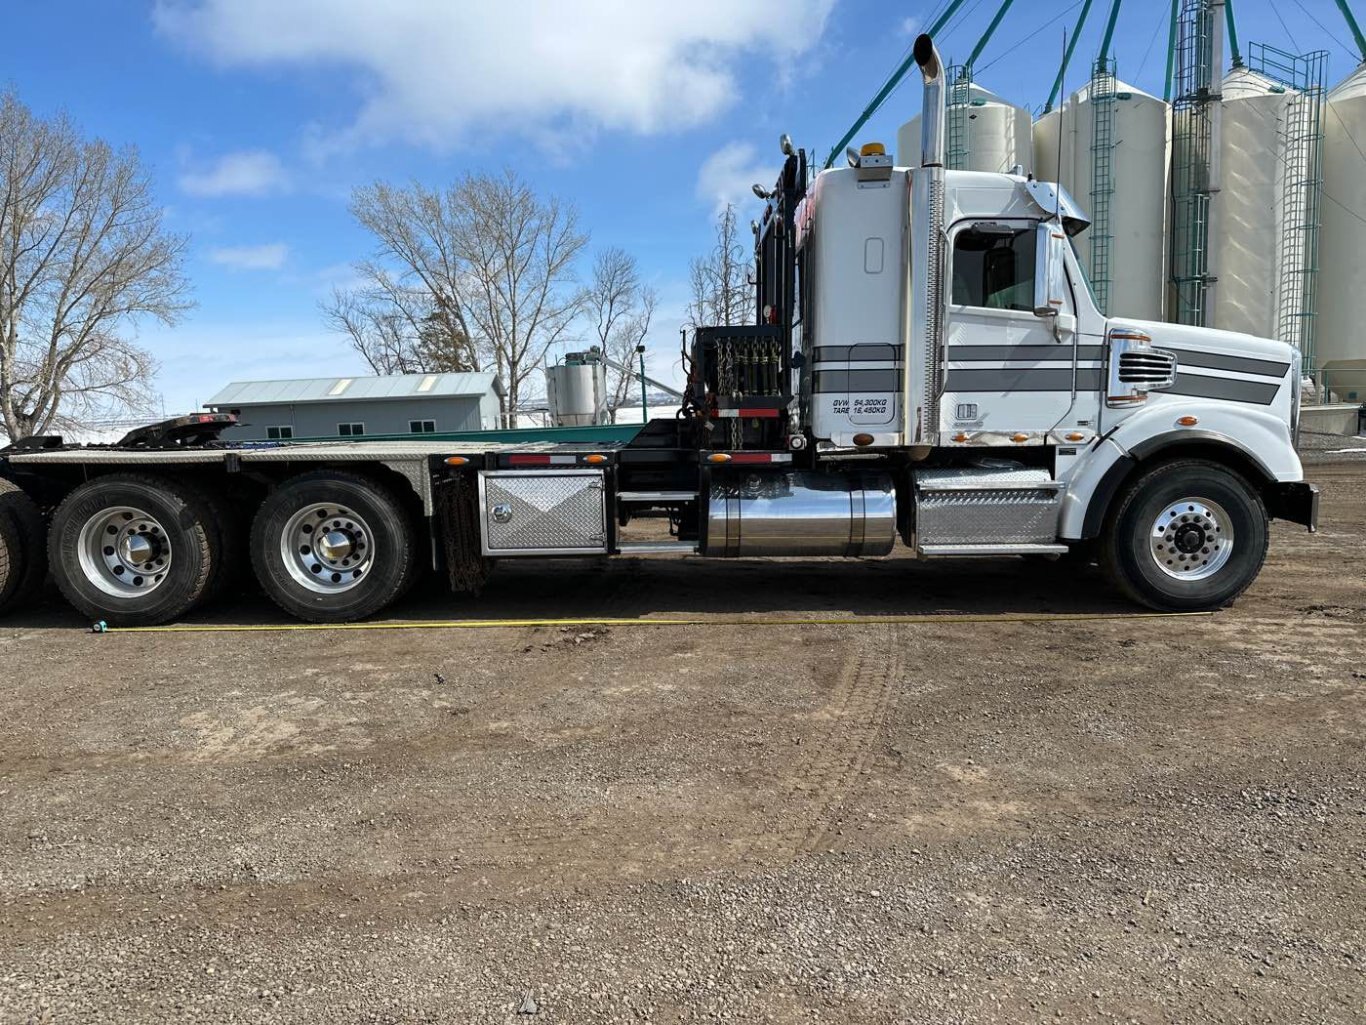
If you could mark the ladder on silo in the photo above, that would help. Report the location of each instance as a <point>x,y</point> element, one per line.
<point>960,110</point>
<point>1102,96</point>
<point>1301,190</point>
<point>1192,142</point>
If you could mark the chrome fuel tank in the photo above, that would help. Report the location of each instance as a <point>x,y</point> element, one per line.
<point>800,513</point>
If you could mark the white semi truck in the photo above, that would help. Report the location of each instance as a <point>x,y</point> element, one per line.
<point>926,362</point>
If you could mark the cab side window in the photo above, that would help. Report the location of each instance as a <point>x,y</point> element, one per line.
<point>993,267</point>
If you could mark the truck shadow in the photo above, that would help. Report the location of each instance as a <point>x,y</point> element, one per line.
<point>633,587</point>
<point>629,588</point>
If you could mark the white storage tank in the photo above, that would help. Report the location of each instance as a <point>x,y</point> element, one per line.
<point>1138,248</point>
<point>576,390</point>
<point>999,134</point>
<point>1248,230</point>
<point>1342,245</point>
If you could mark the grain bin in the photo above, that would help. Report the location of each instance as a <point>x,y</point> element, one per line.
<point>1130,190</point>
<point>995,134</point>
<point>1248,229</point>
<point>1342,249</point>
<point>576,390</point>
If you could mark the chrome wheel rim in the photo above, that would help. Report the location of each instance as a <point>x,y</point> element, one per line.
<point>124,552</point>
<point>1191,539</point>
<point>327,549</point>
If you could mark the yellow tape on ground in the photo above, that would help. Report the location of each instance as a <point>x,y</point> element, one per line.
<point>927,619</point>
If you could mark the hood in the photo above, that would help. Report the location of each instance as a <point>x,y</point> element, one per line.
<point>1225,365</point>
<point>1211,340</point>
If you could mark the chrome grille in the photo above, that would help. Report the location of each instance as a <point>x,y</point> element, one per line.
<point>1151,367</point>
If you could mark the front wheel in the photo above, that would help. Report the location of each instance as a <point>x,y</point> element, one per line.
<point>1186,536</point>
<point>331,547</point>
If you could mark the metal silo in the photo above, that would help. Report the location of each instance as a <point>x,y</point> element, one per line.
<point>576,390</point>
<point>1113,150</point>
<point>1247,225</point>
<point>1265,218</point>
<point>985,133</point>
<point>1342,283</point>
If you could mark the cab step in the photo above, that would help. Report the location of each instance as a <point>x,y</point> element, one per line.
<point>662,497</point>
<point>969,551</point>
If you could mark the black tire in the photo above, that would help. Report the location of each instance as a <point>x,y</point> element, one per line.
<point>1189,550</point>
<point>377,560</point>
<point>183,526</point>
<point>232,545</point>
<point>23,549</point>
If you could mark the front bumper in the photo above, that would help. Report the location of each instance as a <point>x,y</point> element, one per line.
<point>1297,502</point>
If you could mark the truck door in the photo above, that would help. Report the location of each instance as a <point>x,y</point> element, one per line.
<point>1007,370</point>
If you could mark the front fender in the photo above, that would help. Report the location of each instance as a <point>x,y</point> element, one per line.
<point>1260,438</point>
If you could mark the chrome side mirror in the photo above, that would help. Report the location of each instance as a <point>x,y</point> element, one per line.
<point>1050,277</point>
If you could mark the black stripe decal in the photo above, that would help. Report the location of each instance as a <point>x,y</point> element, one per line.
<point>1011,379</point>
<point>1224,388</point>
<point>842,381</point>
<point>873,353</point>
<point>1238,364</point>
<point>1003,353</point>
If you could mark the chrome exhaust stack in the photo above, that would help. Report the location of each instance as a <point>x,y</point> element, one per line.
<point>923,355</point>
<point>933,113</point>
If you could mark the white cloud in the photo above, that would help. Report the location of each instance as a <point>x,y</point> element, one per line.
<point>270,256</point>
<point>544,69</point>
<point>729,175</point>
<point>245,173</point>
<point>910,26</point>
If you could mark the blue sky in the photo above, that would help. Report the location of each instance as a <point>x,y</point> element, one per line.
<point>258,117</point>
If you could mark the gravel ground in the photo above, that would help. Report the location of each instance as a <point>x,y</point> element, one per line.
<point>1127,820</point>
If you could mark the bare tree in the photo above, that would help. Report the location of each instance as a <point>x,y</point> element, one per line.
<point>394,335</point>
<point>721,293</point>
<point>417,278</point>
<point>621,308</point>
<point>83,256</point>
<point>478,275</point>
<point>519,253</point>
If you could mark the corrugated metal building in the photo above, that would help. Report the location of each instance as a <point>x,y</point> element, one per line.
<point>344,407</point>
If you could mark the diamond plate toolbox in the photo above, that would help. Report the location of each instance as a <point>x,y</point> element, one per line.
<point>987,506</point>
<point>540,513</point>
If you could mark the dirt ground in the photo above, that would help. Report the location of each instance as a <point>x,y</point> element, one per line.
<point>1129,820</point>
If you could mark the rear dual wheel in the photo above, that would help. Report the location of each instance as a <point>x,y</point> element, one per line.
<point>331,547</point>
<point>135,550</point>
<point>23,556</point>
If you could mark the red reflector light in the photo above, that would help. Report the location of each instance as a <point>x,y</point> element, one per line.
<point>528,460</point>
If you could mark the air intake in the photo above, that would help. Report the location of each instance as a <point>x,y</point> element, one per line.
<point>1154,368</point>
<point>1136,368</point>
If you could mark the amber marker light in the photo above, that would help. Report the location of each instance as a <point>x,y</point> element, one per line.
<point>1019,437</point>
<point>960,438</point>
<point>1188,421</point>
<point>596,459</point>
<point>457,461</point>
<point>862,440</point>
<point>1074,436</point>
<point>719,457</point>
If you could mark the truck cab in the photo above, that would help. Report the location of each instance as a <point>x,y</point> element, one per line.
<point>943,324</point>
